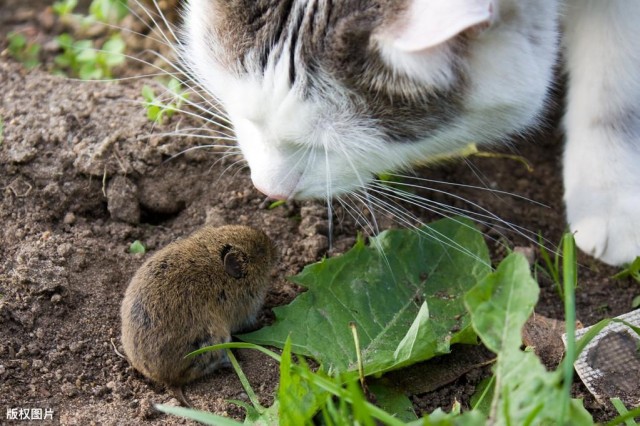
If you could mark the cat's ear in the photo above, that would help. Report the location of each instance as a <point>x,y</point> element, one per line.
<point>428,23</point>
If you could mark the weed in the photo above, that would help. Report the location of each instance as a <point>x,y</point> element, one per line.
<point>81,59</point>
<point>633,271</point>
<point>1,130</point>
<point>24,51</point>
<point>64,8</point>
<point>110,11</point>
<point>277,204</point>
<point>551,267</point>
<point>301,395</point>
<point>623,411</point>
<point>157,108</point>
<point>137,247</point>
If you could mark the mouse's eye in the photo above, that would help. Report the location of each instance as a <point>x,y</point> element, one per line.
<point>234,261</point>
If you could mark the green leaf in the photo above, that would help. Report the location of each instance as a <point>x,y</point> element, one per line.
<point>154,113</point>
<point>525,392</point>
<point>113,50</point>
<point>199,416</point>
<point>481,399</point>
<point>622,410</point>
<point>381,288</point>
<point>299,399</point>
<point>633,271</point>
<point>174,86</point>
<point>502,302</point>
<point>418,338</point>
<point>393,402</point>
<point>148,94</point>
<point>86,55</point>
<point>82,45</point>
<point>137,247</point>
<point>64,40</point>
<point>23,50</point>
<point>17,42</point>
<point>64,7</point>
<point>89,72</point>
<point>109,10</point>
<point>441,418</point>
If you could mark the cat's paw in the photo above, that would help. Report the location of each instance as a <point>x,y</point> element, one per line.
<point>606,225</point>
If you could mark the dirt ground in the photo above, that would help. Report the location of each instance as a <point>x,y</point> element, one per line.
<point>83,173</point>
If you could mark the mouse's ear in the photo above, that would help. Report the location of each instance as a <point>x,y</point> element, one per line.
<point>428,23</point>
<point>235,263</point>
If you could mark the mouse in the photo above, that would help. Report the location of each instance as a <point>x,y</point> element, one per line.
<point>193,293</point>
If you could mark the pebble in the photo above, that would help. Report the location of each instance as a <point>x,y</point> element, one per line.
<point>122,200</point>
<point>315,246</point>
<point>76,346</point>
<point>69,218</point>
<point>68,389</point>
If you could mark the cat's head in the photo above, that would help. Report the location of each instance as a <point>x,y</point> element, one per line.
<point>325,94</point>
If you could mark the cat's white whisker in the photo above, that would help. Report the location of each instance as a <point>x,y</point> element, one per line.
<point>406,219</point>
<point>194,148</point>
<point>462,185</point>
<point>422,202</point>
<point>328,196</point>
<point>187,133</point>
<point>496,221</point>
<point>440,209</point>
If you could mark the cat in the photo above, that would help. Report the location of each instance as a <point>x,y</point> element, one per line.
<point>324,95</point>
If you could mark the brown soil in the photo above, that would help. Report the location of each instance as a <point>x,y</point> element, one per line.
<point>83,173</point>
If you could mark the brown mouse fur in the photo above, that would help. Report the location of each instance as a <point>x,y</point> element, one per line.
<point>193,293</point>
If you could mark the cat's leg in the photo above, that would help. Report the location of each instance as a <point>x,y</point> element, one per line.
<point>602,154</point>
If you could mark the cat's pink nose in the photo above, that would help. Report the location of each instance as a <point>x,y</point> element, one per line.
<point>271,195</point>
<point>274,185</point>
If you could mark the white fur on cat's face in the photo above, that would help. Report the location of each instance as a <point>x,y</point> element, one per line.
<point>479,70</point>
<point>317,143</point>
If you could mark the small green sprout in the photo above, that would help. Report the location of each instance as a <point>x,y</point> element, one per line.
<point>1,130</point>
<point>64,8</point>
<point>110,11</point>
<point>551,267</point>
<point>137,247</point>
<point>633,271</point>
<point>23,50</point>
<point>83,60</point>
<point>157,108</point>
<point>277,204</point>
